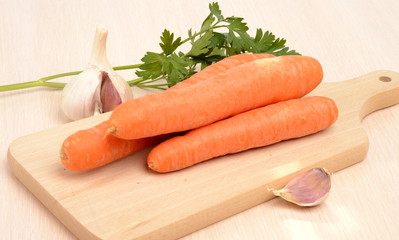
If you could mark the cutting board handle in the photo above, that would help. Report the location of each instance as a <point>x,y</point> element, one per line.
<point>365,94</point>
<point>381,91</point>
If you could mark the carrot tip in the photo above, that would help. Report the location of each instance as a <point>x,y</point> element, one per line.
<point>110,131</point>
<point>63,156</point>
<point>152,166</point>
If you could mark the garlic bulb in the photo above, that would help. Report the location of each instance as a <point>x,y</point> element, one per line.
<point>98,88</point>
<point>308,189</point>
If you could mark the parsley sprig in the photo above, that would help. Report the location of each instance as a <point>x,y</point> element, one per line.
<point>218,37</point>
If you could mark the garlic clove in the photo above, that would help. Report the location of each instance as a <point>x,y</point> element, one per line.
<point>307,189</point>
<point>109,95</point>
<point>98,88</point>
<point>112,80</point>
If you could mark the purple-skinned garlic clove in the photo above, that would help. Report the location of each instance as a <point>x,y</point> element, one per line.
<point>307,189</point>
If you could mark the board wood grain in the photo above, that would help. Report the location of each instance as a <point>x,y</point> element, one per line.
<point>125,200</point>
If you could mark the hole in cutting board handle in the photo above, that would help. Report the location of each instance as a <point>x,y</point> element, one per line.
<point>385,79</point>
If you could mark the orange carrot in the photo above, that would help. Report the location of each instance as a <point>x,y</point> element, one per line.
<point>239,89</point>
<point>88,149</point>
<point>256,128</point>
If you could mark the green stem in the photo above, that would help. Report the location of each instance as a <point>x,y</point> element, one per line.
<point>31,84</point>
<point>53,84</point>
<point>151,80</point>
<point>153,85</point>
<point>135,81</point>
<point>141,81</point>
<point>156,86</point>
<point>126,67</point>
<point>42,82</point>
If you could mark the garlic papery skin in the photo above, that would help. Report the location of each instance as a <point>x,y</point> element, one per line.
<point>307,189</point>
<point>98,88</point>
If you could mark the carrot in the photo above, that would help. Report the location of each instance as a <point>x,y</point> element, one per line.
<point>88,149</point>
<point>256,128</point>
<point>239,89</point>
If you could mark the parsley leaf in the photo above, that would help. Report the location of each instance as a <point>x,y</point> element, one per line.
<point>267,43</point>
<point>236,24</point>
<point>175,69</point>
<point>215,10</point>
<point>201,45</point>
<point>207,23</point>
<point>168,44</point>
<point>152,65</point>
<point>218,40</point>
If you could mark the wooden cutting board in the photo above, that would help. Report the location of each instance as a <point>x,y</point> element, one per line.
<point>125,200</point>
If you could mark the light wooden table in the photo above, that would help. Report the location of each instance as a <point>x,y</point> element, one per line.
<point>350,38</point>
